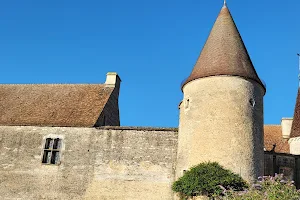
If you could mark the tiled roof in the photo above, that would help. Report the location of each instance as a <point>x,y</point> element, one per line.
<point>295,132</point>
<point>273,135</point>
<point>224,52</point>
<point>52,104</point>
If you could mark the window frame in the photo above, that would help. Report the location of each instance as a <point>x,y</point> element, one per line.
<point>52,150</point>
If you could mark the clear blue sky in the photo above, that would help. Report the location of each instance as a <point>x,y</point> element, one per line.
<point>153,45</point>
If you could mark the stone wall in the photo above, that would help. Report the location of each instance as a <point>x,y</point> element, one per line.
<point>269,165</point>
<point>221,119</point>
<point>109,163</point>
<point>294,145</point>
<point>281,163</point>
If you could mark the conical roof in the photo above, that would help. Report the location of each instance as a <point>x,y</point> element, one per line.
<point>224,52</point>
<point>295,131</point>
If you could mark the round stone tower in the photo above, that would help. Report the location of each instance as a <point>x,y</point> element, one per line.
<point>221,114</point>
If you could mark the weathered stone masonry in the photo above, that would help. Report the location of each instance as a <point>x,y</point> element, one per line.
<point>104,163</point>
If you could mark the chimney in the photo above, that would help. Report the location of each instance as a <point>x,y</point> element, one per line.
<point>112,80</point>
<point>286,126</point>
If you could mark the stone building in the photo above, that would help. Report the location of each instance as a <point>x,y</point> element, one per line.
<point>61,141</point>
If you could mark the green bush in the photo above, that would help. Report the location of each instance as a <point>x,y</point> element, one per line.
<point>267,188</point>
<point>208,179</point>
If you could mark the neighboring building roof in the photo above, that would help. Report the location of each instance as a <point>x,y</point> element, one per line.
<point>224,52</point>
<point>52,104</point>
<point>295,132</point>
<point>273,136</point>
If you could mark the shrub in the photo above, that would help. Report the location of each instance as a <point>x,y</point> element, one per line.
<point>208,179</point>
<point>267,188</point>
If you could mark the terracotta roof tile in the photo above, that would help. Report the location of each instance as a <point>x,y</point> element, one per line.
<point>224,52</point>
<point>273,135</point>
<point>52,104</point>
<point>295,132</point>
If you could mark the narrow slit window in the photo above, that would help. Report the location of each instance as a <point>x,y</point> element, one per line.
<point>48,143</point>
<point>252,102</point>
<point>187,103</point>
<point>52,150</point>
<point>56,144</point>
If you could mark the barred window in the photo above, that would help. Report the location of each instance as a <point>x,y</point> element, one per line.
<point>52,151</point>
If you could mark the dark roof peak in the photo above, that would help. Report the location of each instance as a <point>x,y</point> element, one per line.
<point>295,131</point>
<point>224,52</point>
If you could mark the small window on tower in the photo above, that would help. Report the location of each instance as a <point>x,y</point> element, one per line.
<point>52,151</point>
<point>187,103</point>
<point>252,102</point>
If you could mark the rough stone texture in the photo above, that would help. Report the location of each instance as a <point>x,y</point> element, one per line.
<point>107,163</point>
<point>294,145</point>
<point>221,119</point>
<point>104,163</point>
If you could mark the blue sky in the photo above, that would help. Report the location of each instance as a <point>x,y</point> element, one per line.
<point>153,45</point>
